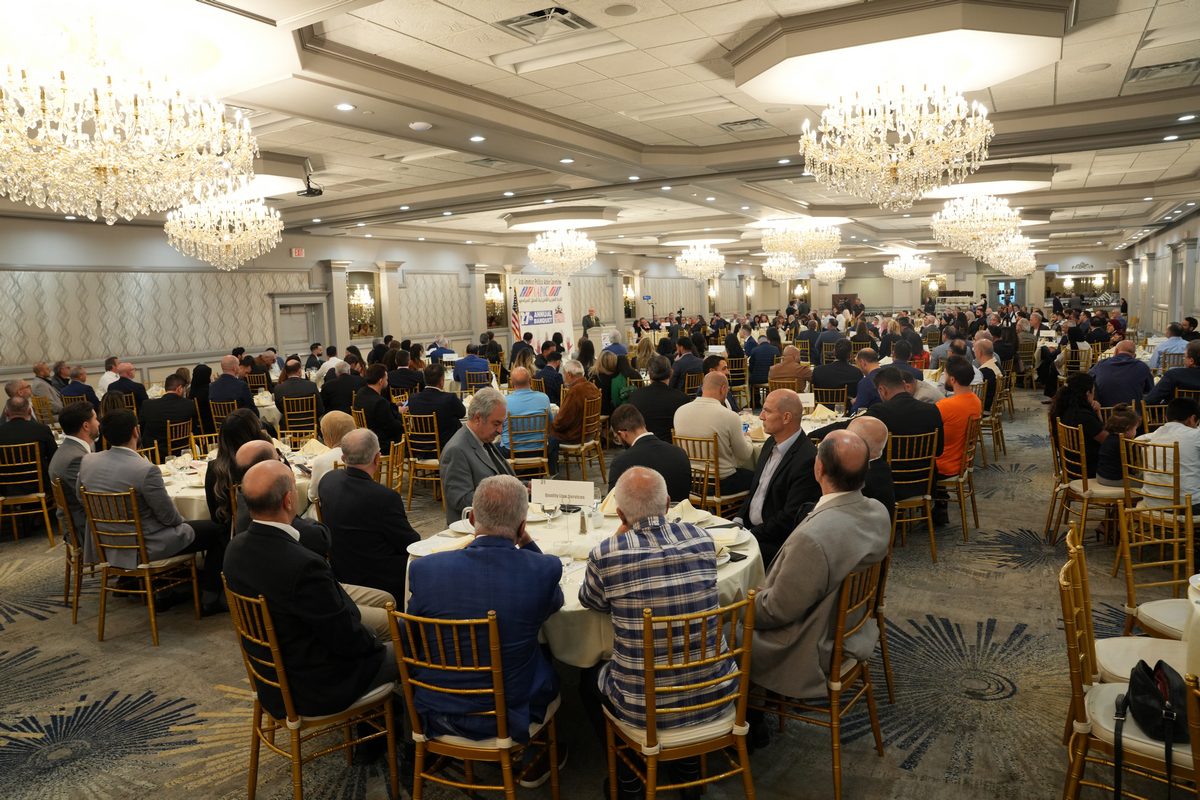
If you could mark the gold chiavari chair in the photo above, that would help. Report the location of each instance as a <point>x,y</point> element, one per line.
<point>1078,487</point>
<point>1153,417</point>
<point>43,411</point>
<point>1027,354</point>
<point>22,486</point>
<point>691,383</point>
<point>203,444</point>
<point>741,393</point>
<point>680,654</point>
<point>962,485</point>
<point>257,382</point>
<point>832,397</point>
<point>737,371</point>
<point>527,443</point>
<point>71,399</point>
<point>589,443</point>
<point>1188,394</point>
<point>424,450</point>
<point>881,622</point>
<point>1157,552</point>
<point>129,400</point>
<point>259,646</point>
<point>538,385</point>
<point>360,417</point>
<point>150,453</point>
<point>399,396</point>
<point>1076,361</point>
<point>992,422</point>
<point>857,598</point>
<point>706,459</point>
<point>1168,361</point>
<point>220,409</point>
<point>445,654</point>
<point>473,381</point>
<point>805,350</point>
<point>72,551</point>
<point>777,360</point>
<point>179,435</point>
<point>783,383</point>
<point>1104,412</point>
<point>1150,472</point>
<point>828,352</point>
<point>300,413</point>
<point>912,459</point>
<point>296,439</point>
<point>116,526</point>
<point>1004,395</point>
<point>391,468</point>
<point>495,370</point>
<point>933,338</point>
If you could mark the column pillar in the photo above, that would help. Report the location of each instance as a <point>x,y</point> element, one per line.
<point>476,277</point>
<point>339,304</point>
<point>616,297</point>
<point>1191,260</point>
<point>389,286</point>
<point>1147,297</point>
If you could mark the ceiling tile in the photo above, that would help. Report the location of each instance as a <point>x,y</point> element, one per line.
<point>594,11</point>
<point>707,70</point>
<point>478,43</point>
<point>684,53</point>
<point>566,76</point>
<point>682,94</point>
<point>493,10</point>
<point>547,99</point>
<point>419,18</point>
<point>1167,15</point>
<point>624,64</point>
<point>657,79</point>
<point>653,33</point>
<point>1128,24</point>
<point>746,14</point>
<point>512,86</point>
<point>634,101</point>
<point>598,90</point>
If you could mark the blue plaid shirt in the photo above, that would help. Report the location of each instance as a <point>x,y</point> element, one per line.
<point>670,568</point>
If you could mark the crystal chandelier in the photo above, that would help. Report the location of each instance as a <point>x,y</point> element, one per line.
<point>781,267</point>
<point>224,231</point>
<point>975,225</point>
<point>1098,281</point>
<point>700,262</point>
<point>906,268</point>
<point>112,147</point>
<point>562,252</point>
<point>805,242</point>
<point>1014,257</point>
<point>894,145</point>
<point>1068,283</point>
<point>829,272</point>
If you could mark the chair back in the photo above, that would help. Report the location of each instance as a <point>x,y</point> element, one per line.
<point>527,435</point>
<point>391,466</point>
<point>72,399</point>
<point>66,522</point>
<point>1157,549</point>
<point>1153,417</point>
<point>697,661</point>
<point>1072,456</point>
<point>43,411</point>
<point>591,420</point>
<point>297,438</point>
<point>737,370</point>
<point>477,380</point>
<point>691,382</point>
<point>1150,472</point>
<point>836,396</point>
<point>705,457</point>
<point>456,658</point>
<point>495,370</point>
<point>1075,570</point>
<point>21,470</point>
<point>129,401</point>
<point>784,383</point>
<point>1168,361</point>
<point>828,352</point>
<point>1026,353</point>
<point>421,436</point>
<point>538,385</point>
<point>857,598</point>
<point>1081,670</point>
<point>970,446</point>
<point>115,523</point>
<point>912,459</point>
<point>1188,394</point>
<point>220,409</point>
<point>933,338</point>
<point>203,444</point>
<point>1077,361</point>
<point>1104,412</point>
<point>300,413</point>
<point>399,396</point>
<point>150,453</point>
<point>260,648</point>
<point>805,350</point>
<point>980,390</point>
<point>257,382</point>
<point>360,417</point>
<point>178,437</point>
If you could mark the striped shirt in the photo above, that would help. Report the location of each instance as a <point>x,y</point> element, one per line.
<point>670,568</point>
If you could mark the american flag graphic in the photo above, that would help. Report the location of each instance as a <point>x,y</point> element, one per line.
<point>515,319</point>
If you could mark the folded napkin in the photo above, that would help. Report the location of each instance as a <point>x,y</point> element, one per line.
<point>822,412</point>
<point>725,537</point>
<point>609,506</point>
<point>312,448</point>
<point>689,513</point>
<point>757,434</point>
<point>445,544</point>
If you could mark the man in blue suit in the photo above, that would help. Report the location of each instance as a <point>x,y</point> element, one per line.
<point>502,570</point>
<point>471,362</point>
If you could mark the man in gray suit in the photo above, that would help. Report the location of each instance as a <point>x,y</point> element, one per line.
<point>471,455</point>
<point>796,609</point>
<point>166,532</point>
<point>80,428</point>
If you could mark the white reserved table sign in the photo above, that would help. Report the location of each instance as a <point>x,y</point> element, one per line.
<point>557,493</point>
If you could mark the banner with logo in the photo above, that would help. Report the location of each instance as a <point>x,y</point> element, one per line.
<point>543,307</point>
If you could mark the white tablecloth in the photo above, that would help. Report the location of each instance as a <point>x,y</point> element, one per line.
<point>268,412</point>
<point>187,492</point>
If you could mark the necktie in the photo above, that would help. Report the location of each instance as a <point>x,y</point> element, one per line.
<point>498,462</point>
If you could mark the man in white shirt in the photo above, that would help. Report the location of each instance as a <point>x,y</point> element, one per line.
<point>1180,428</point>
<point>331,361</point>
<point>110,375</point>
<point>1175,343</point>
<point>707,415</point>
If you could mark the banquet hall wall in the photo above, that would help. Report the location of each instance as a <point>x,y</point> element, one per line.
<point>1160,276</point>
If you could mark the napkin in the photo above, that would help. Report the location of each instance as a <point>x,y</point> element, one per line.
<point>689,513</point>
<point>757,434</point>
<point>450,543</point>
<point>725,537</point>
<point>312,448</point>
<point>609,506</point>
<point>822,412</point>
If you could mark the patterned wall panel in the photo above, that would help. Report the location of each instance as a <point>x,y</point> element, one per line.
<point>591,291</point>
<point>434,304</point>
<point>671,294</point>
<point>89,315</point>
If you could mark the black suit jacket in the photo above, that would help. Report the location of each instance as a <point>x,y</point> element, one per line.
<point>382,416</point>
<point>686,363</point>
<point>667,460</point>
<point>448,409</point>
<point>369,549</point>
<point>406,379</point>
<point>227,387</point>
<point>155,414</point>
<point>792,485</point>
<point>879,485</point>
<point>130,387</point>
<point>905,415</point>
<point>658,403</point>
<point>27,431</point>
<point>337,394</point>
<point>516,350</point>
<point>837,374</point>
<point>298,387</point>
<point>329,656</point>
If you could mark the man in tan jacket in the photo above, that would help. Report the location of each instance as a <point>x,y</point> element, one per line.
<point>567,426</point>
<point>790,367</point>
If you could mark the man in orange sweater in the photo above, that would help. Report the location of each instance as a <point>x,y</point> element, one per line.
<point>957,411</point>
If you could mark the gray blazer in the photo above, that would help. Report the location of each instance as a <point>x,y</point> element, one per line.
<point>65,466</point>
<point>796,609</point>
<point>163,527</point>
<point>465,463</point>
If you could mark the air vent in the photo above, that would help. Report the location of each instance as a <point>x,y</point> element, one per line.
<point>743,125</point>
<point>542,26</point>
<point>247,113</point>
<point>490,163</point>
<point>1156,72</point>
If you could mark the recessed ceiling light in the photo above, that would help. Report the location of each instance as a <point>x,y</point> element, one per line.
<point>635,177</point>
<point>344,107</point>
<point>478,138</point>
<point>745,208</point>
<point>447,213</point>
<point>566,161</point>
<point>420,126</point>
<point>621,10</point>
<point>906,216</point>
<point>611,252</point>
<point>361,225</point>
<point>1099,242</point>
<point>710,199</point>
<point>777,109</point>
<point>509,194</point>
<point>404,208</point>
<point>69,216</point>
<point>316,219</point>
<point>785,161</point>
<point>665,188</point>
<point>1187,118</point>
<point>548,200</point>
<point>420,238</point>
<point>853,237</point>
<point>1147,199</point>
<point>1192,203</point>
<point>806,174</point>
<point>620,236</point>
<point>368,236</point>
<point>1172,137</point>
<point>470,241</point>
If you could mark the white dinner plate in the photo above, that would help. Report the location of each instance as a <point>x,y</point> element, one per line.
<point>723,558</point>
<point>740,539</point>
<point>462,526</point>
<point>1195,582</point>
<point>535,516</point>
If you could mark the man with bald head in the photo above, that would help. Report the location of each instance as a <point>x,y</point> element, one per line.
<point>331,657</point>
<point>878,484</point>
<point>42,387</point>
<point>795,608</point>
<point>791,368</point>
<point>706,416</point>
<point>128,385</point>
<point>1122,378</point>
<point>231,385</point>
<point>522,401</point>
<point>783,478</point>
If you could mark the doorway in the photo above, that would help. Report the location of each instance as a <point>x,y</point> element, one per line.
<point>1001,291</point>
<point>298,325</point>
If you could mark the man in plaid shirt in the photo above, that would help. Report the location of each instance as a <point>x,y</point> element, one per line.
<point>670,568</point>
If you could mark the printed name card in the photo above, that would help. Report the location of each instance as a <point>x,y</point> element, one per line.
<point>557,493</point>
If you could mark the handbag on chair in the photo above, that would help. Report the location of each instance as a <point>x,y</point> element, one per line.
<point>1157,700</point>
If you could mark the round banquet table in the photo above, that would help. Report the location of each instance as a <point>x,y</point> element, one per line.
<point>187,491</point>
<point>580,636</point>
<point>267,410</point>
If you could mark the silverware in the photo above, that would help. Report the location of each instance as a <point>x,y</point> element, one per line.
<point>718,527</point>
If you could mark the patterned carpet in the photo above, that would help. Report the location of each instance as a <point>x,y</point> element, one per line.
<point>976,645</point>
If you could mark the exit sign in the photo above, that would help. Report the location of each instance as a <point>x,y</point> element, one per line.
<point>297,252</point>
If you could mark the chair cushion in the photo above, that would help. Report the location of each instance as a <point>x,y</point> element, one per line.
<point>168,562</point>
<point>1101,702</point>
<point>370,698</point>
<point>679,737</point>
<point>494,743</point>
<point>1097,490</point>
<point>1167,617</point>
<point>1117,656</point>
<point>427,463</point>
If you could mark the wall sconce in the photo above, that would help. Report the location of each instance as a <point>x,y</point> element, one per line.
<point>933,286</point>
<point>1068,283</point>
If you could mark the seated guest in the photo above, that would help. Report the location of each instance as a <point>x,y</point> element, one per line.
<point>1180,428</point>
<point>334,426</point>
<point>338,391</point>
<point>1174,343</point>
<point>904,414</point>
<point>471,362</point>
<point>924,391</point>
<point>686,362</point>
<point>404,378</point>
<point>1075,405</point>
<point>315,351</point>
<point>197,392</point>
<point>644,449</point>
<point>657,400</point>
<point>957,411</point>
<point>958,347</point>
<point>369,549</point>
<point>1122,423</point>
<point>940,353</point>
<point>523,401</point>
<point>716,363</point>
<point>171,407</point>
<point>164,529</point>
<point>332,659</point>
<point>471,454</point>
<point>501,570</point>
<point>865,394</point>
<point>294,384</point>
<point>127,384</point>
<point>567,427</point>
<point>80,431</point>
<point>78,387</point>
<point>230,385</point>
<point>441,347</point>
<point>327,366</point>
<point>108,376</point>
<point>791,367</point>
<point>239,428</point>
<point>1185,377</point>
<point>759,361</point>
<point>42,386</point>
<point>543,354</point>
<point>255,366</point>
<point>21,428</point>
<point>706,416</point>
<point>447,407</point>
<point>380,412</point>
<point>878,484</point>
<point>839,372</point>
<point>795,610</point>
<point>525,343</point>
<point>809,333</point>
<point>669,568</point>
<point>783,477</point>
<point>989,369</point>
<point>616,344</point>
<point>1122,378</point>
<point>829,335</point>
<point>550,376</point>
<point>900,357</point>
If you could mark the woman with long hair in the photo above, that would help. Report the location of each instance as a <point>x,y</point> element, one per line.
<point>888,338</point>
<point>1048,369</point>
<point>645,352</point>
<point>1075,405</point>
<point>238,428</point>
<point>733,347</point>
<point>414,356</point>
<point>862,337</point>
<point>525,359</point>
<point>587,353</point>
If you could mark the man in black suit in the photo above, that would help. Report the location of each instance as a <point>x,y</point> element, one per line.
<point>369,549</point>
<point>831,335</point>
<point>22,428</point>
<point>685,362</point>
<point>1185,377</point>
<point>381,414</point>
<point>525,343</point>
<point>128,385</point>
<point>657,401</point>
<point>171,407</point>
<point>315,351</point>
<point>878,484</point>
<point>904,415</point>
<point>647,450</point>
<point>81,428</point>
<point>404,378</point>
<point>840,372</point>
<point>551,378</point>
<point>337,394</point>
<point>230,385</point>
<point>448,408</point>
<point>590,320</point>
<point>331,657</point>
<point>296,385</point>
<point>783,477</point>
